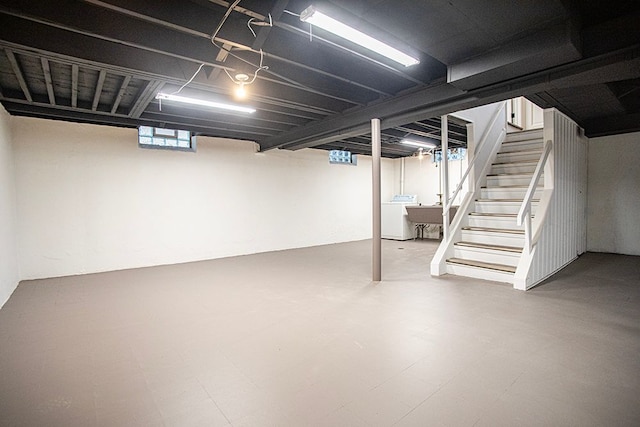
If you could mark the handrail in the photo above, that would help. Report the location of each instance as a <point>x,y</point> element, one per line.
<point>524,214</point>
<point>488,130</point>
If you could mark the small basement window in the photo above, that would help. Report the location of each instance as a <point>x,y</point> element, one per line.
<point>166,139</point>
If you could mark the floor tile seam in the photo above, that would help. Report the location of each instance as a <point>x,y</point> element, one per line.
<point>214,401</point>
<point>499,398</point>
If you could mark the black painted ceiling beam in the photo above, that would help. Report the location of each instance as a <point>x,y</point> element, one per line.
<point>192,22</point>
<point>436,100</point>
<point>58,112</point>
<point>76,49</point>
<point>612,125</point>
<point>141,35</point>
<point>546,48</point>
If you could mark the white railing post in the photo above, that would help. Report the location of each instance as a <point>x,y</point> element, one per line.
<point>527,233</point>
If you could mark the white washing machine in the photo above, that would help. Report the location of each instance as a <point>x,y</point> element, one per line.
<point>395,222</point>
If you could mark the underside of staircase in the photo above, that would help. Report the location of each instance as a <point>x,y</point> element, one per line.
<point>491,243</point>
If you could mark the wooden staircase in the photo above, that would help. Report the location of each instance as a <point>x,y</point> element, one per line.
<point>491,242</point>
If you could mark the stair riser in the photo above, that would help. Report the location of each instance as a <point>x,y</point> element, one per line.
<point>491,222</point>
<point>487,255</point>
<point>480,273</point>
<point>536,134</point>
<point>498,207</point>
<point>497,181</point>
<point>514,240</point>
<point>521,146</point>
<point>513,168</point>
<point>518,157</point>
<point>507,193</point>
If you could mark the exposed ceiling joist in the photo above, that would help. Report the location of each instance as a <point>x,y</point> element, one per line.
<point>123,87</point>
<point>46,70</point>
<point>74,85</point>
<point>434,101</point>
<point>144,98</point>
<point>103,61</point>
<point>98,91</point>
<point>548,47</point>
<point>19,75</point>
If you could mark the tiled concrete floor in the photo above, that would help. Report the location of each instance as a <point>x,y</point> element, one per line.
<point>302,337</point>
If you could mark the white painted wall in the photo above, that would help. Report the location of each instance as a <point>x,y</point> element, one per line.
<point>90,200</point>
<point>614,194</point>
<point>422,178</point>
<point>8,261</point>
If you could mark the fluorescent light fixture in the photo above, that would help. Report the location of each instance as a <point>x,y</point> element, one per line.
<point>314,17</point>
<point>419,144</point>
<point>186,100</point>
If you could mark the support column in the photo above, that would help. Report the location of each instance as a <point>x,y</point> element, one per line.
<point>444,170</point>
<point>377,214</point>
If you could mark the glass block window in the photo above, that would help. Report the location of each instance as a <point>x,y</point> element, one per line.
<point>452,154</point>
<point>168,139</point>
<point>340,157</point>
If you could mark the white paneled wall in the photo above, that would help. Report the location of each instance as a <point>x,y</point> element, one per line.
<point>8,259</point>
<point>564,235</point>
<point>90,200</point>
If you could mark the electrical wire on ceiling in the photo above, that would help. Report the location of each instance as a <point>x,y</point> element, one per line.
<point>261,66</point>
<point>213,37</point>
<point>298,15</point>
<point>188,81</point>
<point>242,79</point>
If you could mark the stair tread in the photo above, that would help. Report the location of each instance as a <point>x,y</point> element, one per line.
<point>490,214</point>
<point>480,264</point>
<point>520,152</point>
<point>487,246</point>
<point>524,135</point>
<point>504,200</point>
<point>524,132</point>
<point>516,162</point>
<point>495,230</point>
<point>504,186</point>
<point>523,174</point>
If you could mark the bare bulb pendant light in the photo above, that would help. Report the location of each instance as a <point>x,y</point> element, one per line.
<point>241,79</point>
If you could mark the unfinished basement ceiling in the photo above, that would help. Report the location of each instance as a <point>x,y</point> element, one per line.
<point>104,61</point>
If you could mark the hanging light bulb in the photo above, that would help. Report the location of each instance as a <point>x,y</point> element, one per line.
<point>241,93</point>
<point>241,80</point>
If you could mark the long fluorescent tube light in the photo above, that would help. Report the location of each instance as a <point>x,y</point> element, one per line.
<point>186,100</point>
<point>314,17</point>
<point>419,144</point>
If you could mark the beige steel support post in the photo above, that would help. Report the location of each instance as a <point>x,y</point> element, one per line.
<point>377,214</point>
<point>444,170</point>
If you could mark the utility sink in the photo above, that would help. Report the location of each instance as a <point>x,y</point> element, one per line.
<point>428,214</point>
